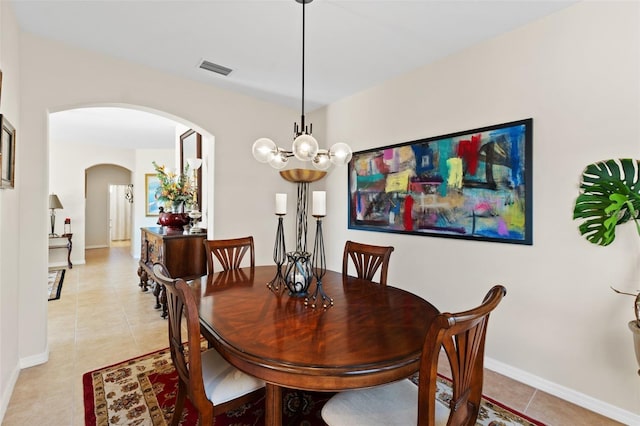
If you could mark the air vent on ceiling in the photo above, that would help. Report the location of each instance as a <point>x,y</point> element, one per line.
<point>210,66</point>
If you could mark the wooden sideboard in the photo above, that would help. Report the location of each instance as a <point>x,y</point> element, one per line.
<point>183,254</point>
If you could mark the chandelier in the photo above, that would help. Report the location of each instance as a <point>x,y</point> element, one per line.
<point>305,146</point>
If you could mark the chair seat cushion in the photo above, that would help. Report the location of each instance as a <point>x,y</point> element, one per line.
<point>222,381</point>
<point>391,404</point>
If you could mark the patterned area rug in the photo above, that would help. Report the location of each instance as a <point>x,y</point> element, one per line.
<point>142,391</point>
<point>492,412</point>
<point>54,282</point>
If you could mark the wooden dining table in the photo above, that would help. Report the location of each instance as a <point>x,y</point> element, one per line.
<point>370,336</point>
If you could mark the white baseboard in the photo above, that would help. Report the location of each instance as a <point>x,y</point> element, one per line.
<point>96,247</point>
<point>564,393</point>
<point>65,264</point>
<point>37,359</point>
<point>22,363</point>
<point>6,396</point>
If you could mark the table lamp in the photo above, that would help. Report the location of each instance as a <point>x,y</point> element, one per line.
<point>54,203</point>
<point>194,213</point>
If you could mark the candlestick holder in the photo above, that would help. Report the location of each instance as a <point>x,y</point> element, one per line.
<point>319,267</point>
<point>279,255</point>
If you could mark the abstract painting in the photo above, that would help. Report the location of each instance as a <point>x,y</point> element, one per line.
<point>475,184</point>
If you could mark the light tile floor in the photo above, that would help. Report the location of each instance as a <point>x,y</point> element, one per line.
<point>102,318</point>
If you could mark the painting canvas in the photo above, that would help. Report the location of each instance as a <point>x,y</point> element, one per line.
<point>151,185</point>
<point>475,184</point>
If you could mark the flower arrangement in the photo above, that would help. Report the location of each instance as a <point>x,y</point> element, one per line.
<point>174,189</point>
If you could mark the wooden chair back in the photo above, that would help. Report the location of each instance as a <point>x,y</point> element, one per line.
<point>367,259</point>
<point>229,252</point>
<point>202,375</point>
<point>462,335</point>
<point>187,361</point>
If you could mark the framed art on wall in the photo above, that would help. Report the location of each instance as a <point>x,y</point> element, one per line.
<point>8,153</point>
<point>151,185</point>
<point>475,184</point>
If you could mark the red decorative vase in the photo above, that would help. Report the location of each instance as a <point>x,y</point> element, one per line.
<point>174,221</point>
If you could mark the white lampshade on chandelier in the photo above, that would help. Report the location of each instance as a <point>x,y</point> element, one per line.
<point>305,146</point>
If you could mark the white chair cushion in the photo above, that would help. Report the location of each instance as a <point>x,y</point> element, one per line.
<point>391,404</point>
<point>222,381</point>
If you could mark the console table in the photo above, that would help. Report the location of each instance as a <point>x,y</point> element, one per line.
<point>182,253</point>
<point>62,241</point>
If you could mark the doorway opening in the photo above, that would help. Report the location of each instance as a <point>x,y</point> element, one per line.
<point>120,214</point>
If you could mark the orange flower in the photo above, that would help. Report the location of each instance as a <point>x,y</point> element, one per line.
<point>174,189</point>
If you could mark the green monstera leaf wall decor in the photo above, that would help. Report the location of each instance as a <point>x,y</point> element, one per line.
<point>609,196</point>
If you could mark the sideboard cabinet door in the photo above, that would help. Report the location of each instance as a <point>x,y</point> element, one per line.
<point>183,255</point>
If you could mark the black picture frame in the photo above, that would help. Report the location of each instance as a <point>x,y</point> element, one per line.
<point>474,185</point>
<point>7,154</point>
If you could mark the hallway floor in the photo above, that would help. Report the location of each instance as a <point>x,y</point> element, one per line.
<point>102,318</point>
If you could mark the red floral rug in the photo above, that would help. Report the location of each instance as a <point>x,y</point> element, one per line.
<point>142,391</point>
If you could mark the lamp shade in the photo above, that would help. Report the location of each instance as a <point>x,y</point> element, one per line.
<point>340,154</point>
<point>194,163</point>
<point>279,161</point>
<point>54,202</point>
<point>321,161</point>
<point>264,149</point>
<point>305,147</point>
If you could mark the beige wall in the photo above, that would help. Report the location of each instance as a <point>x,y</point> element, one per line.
<point>10,241</point>
<point>577,74</point>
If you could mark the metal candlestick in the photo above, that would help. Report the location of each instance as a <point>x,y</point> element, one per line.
<point>319,267</point>
<point>279,255</point>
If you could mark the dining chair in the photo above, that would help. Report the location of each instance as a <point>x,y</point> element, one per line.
<point>229,252</point>
<point>367,259</point>
<point>462,335</point>
<point>212,384</point>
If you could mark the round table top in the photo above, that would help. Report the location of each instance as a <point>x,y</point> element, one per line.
<point>371,335</point>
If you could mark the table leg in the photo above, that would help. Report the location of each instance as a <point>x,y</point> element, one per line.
<point>69,247</point>
<point>144,277</point>
<point>273,405</point>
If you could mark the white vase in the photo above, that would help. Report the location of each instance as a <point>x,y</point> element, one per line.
<point>635,329</point>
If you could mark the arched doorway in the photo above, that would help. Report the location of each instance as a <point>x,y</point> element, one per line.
<point>126,136</point>
<point>104,209</point>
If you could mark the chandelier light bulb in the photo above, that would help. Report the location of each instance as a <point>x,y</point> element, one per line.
<point>340,154</point>
<point>321,161</point>
<point>264,150</point>
<point>305,147</point>
<point>279,160</point>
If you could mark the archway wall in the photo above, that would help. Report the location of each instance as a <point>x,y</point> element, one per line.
<point>68,164</point>
<point>73,77</point>
<point>99,179</point>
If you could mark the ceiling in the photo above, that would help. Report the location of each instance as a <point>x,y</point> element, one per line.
<point>350,44</point>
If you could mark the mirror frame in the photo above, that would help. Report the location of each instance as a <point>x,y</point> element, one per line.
<point>183,140</point>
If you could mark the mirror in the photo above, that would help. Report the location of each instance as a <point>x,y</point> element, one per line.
<point>191,147</point>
